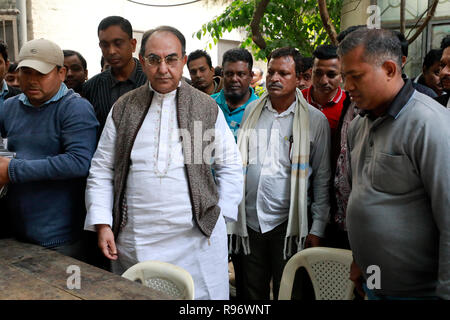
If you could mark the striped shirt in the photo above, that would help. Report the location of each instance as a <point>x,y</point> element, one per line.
<point>103,90</point>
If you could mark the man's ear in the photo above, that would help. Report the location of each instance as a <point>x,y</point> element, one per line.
<point>133,44</point>
<point>62,72</point>
<point>298,79</point>
<point>403,61</point>
<point>390,68</point>
<point>141,60</point>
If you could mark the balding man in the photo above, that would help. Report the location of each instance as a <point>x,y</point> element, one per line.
<point>153,171</point>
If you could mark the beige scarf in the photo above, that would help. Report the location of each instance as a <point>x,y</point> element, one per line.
<point>297,228</point>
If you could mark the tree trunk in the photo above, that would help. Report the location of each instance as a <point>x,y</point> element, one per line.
<point>402,16</point>
<point>329,27</point>
<point>430,15</point>
<point>257,37</point>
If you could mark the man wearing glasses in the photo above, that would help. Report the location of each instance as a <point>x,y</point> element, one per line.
<point>153,171</point>
<point>116,41</point>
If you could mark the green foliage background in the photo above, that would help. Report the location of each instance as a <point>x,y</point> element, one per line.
<point>294,23</point>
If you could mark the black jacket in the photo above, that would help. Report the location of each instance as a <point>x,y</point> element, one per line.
<point>12,92</point>
<point>443,99</point>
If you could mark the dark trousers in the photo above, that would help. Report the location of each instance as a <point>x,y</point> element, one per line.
<point>76,250</point>
<point>265,262</point>
<point>95,256</point>
<point>336,237</point>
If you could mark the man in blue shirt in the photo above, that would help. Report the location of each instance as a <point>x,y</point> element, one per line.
<point>233,99</point>
<point>53,132</point>
<point>236,93</point>
<point>6,91</point>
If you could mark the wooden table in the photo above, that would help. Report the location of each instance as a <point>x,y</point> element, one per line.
<point>34,273</point>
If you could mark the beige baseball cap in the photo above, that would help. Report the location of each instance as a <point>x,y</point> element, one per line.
<point>42,55</point>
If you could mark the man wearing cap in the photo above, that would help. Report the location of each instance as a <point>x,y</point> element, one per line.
<point>53,132</point>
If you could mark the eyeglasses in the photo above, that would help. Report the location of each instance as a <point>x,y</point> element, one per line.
<point>155,60</point>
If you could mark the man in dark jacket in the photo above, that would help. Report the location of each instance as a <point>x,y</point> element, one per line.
<point>444,75</point>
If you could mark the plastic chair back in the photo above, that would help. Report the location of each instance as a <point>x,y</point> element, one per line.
<point>162,276</point>
<point>328,268</point>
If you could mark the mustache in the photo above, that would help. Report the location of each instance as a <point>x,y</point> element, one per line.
<point>276,85</point>
<point>325,86</point>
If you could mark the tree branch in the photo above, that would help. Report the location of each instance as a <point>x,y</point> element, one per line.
<point>254,25</point>
<point>425,22</point>
<point>402,16</point>
<point>329,27</point>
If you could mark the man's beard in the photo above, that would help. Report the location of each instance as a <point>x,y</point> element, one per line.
<point>233,96</point>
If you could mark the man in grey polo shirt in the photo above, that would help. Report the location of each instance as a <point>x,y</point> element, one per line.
<point>398,216</point>
<point>284,143</point>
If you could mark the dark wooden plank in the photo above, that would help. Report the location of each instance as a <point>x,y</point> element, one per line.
<point>51,267</point>
<point>11,250</point>
<point>15,285</point>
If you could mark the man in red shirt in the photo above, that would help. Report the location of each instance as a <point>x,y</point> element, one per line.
<point>325,93</point>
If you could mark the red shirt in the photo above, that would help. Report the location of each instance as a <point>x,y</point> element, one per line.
<point>332,109</point>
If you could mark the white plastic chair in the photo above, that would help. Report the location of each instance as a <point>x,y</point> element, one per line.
<point>328,268</point>
<point>162,276</point>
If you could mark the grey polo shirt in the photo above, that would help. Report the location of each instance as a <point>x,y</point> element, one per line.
<point>269,171</point>
<point>398,214</point>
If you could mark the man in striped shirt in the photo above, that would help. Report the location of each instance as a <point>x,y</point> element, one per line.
<point>117,44</point>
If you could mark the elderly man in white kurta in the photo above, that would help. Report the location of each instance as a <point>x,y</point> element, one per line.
<point>150,193</point>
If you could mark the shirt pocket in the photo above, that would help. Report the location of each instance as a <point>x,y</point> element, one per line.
<point>394,174</point>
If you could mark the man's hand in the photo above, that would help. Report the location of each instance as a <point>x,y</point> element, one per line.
<point>4,177</point>
<point>312,241</point>
<point>357,278</point>
<point>106,241</point>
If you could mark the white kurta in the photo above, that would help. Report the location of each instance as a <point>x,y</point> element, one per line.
<point>160,223</point>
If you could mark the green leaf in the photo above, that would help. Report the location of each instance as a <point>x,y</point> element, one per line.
<point>285,23</point>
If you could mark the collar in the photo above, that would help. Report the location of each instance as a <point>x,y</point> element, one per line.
<point>61,93</point>
<point>163,95</point>
<point>132,78</point>
<point>4,90</point>
<point>221,100</point>
<point>285,113</point>
<point>400,100</point>
<point>336,99</point>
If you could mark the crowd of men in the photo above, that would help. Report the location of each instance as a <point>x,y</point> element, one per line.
<point>138,163</point>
